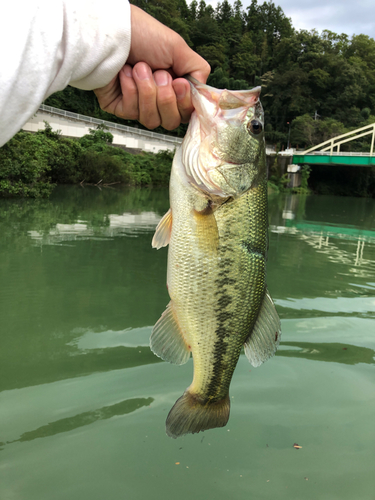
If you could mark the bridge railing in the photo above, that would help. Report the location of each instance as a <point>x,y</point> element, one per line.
<point>324,153</point>
<point>117,126</point>
<point>336,142</point>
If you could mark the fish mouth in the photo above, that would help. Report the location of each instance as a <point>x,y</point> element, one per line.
<point>228,99</point>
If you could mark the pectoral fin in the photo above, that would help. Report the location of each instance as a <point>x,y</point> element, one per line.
<point>167,340</point>
<point>163,231</point>
<point>207,233</point>
<point>264,340</point>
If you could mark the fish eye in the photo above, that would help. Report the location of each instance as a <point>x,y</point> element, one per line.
<point>255,127</point>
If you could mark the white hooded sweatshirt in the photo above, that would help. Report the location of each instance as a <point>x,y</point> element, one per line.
<point>46,45</point>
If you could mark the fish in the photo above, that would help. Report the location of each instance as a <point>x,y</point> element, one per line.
<point>217,232</point>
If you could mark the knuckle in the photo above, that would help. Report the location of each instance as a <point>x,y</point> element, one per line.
<point>171,125</point>
<point>151,123</point>
<point>147,93</point>
<point>146,90</point>
<point>131,92</point>
<point>167,100</point>
<point>131,112</point>
<point>128,115</point>
<point>133,116</point>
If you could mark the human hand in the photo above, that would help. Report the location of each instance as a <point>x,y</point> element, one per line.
<point>148,87</point>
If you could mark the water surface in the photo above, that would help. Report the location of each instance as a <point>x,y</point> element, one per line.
<point>83,401</point>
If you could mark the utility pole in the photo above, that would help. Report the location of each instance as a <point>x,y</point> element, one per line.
<point>288,123</point>
<point>316,115</point>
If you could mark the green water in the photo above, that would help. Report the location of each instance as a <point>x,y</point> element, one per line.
<point>83,401</point>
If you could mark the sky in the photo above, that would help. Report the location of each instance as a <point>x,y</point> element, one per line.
<point>340,16</point>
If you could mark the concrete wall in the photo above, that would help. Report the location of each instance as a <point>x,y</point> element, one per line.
<point>72,127</point>
<point>282,162</point>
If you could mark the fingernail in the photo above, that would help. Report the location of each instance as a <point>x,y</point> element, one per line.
<point>128,71</point>
<point>161,79</point>
<point>142,72</point>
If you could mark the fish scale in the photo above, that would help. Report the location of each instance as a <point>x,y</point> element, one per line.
<point>217,235</point>
<point>241,285</point>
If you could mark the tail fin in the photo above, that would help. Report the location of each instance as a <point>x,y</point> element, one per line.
<point>189,415</point>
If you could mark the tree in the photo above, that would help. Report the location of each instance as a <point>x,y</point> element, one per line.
<point>245,62</point>
<point>214,54</point>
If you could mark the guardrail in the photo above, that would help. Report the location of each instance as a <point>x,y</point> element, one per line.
<point>327,153</point>
<point>337,141</point>
<point>117,126</point>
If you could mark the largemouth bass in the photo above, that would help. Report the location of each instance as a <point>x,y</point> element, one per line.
<point>217,231</point>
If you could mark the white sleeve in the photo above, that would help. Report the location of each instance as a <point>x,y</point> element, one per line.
<point>46,45</point>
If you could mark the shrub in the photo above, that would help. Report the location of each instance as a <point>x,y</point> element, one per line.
<point>24,166</point>
<point>30,164</point>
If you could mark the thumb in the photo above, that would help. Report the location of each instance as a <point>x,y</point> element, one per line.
<point>188,62</point>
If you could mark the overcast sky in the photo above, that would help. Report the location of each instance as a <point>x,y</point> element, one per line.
<point>341,16</point>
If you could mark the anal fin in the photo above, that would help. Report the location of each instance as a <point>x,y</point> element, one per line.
<point>264,340</point>
<point>167,340</point>
<point>163,230</point>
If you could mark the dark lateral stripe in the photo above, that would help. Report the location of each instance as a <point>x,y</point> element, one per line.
<point>225,351</point>
<point>252,249</point>
<point>220,370</point>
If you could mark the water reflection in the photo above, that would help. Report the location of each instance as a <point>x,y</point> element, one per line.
<point>67,363</point>
<point>332,353</point>
<point>73,212</point>
<point>321,248</point>
<point>323,238</point>
<point>130,337</point>
<point>361,306</point>
<point>83,419</point>
<point>112,226</point>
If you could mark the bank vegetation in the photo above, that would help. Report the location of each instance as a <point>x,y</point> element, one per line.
<point>32,164</point>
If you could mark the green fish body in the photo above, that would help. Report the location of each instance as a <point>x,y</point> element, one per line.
<point>217,234</point>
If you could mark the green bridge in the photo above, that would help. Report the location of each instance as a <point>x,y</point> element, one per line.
<point>328,152</point>
<point>355,159</point>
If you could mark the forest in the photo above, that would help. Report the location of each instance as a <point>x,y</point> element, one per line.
<point>323,84</point>
<point>314,85</point>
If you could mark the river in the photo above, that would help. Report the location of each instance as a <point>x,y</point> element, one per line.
<point>83,400</point>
